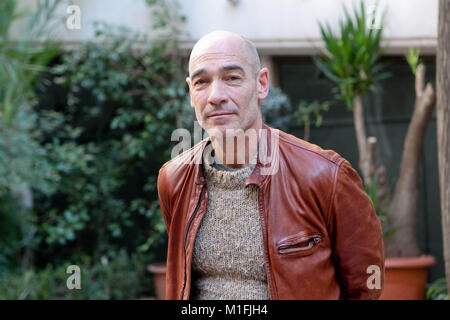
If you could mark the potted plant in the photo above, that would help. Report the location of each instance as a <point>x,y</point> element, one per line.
<point>407,269</point>
<point>351,60</point>
<point>405,278</point>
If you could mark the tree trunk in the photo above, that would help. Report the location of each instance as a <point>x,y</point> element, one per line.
<point>360,131</point>
<point>378,173</point>
<point>306,135</point>
<point>443,124</point>
<point>404,205</point>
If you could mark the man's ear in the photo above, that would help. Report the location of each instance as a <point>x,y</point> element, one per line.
<point>188,80</point>
<point>263,83</point>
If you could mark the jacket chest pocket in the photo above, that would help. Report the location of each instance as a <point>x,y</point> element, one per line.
<point>299,245</point>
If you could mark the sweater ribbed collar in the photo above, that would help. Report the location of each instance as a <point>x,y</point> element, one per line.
<point>220,175</point>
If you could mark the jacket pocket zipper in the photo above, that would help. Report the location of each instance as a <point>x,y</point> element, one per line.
<point>300,246</point>
<point>185,236</point>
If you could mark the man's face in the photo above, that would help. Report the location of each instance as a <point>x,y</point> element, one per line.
<point>225,88</point>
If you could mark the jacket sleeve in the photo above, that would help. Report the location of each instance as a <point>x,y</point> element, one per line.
<point>163,194</point>
<point>356,236</point>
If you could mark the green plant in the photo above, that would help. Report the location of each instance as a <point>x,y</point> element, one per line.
<point>304,111</point>
<point>437,290</point>
<point>276,109</point>
<point>23,161</point>
<point>122,94</point>
<point>14,226</point>
<point>405,198</point>
<point>413,59</point>
<point>116,275</point>
<point>91,160</point>
<point>351,59</point>
<point>22,60</point>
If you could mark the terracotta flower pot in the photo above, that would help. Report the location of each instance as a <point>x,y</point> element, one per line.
<point>159,275</point>
<point>406,278</point>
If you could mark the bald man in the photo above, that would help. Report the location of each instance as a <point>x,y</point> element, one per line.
<point>253,212</point>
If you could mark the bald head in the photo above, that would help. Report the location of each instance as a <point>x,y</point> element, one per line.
<point>226,83</point>
<point>227,43</point>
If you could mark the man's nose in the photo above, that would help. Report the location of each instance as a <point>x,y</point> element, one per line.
<point>217,94</point>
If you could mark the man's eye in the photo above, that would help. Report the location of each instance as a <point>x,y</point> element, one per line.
<point>199,82</point>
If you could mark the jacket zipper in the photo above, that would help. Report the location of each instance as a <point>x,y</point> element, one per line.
<point>266,254</point>
<point>299,246</point>
<point>185,237</point>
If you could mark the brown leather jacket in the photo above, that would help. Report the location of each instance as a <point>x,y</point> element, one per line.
<point>319,227</point>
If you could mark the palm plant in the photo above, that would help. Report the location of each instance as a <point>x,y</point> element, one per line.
<point>351,59</point>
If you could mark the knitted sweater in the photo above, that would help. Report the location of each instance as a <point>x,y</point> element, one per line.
<point>228,258</point>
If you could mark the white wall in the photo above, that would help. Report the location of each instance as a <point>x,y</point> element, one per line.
<point>276,26</point>
<point>291,26</point>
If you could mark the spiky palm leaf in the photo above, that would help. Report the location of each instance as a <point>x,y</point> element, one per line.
<point>351,57</point>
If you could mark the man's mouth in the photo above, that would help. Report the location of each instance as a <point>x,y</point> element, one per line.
<point>220,114</point>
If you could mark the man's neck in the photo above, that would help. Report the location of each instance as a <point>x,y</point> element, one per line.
<point>236,152</point>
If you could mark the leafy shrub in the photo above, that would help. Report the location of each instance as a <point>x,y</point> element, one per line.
<point>107,137</point>
<point>118,276</point>
<point>276,109</point>
<point>87,155</point>
<point>437,290</point>
<point>23,161</point>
